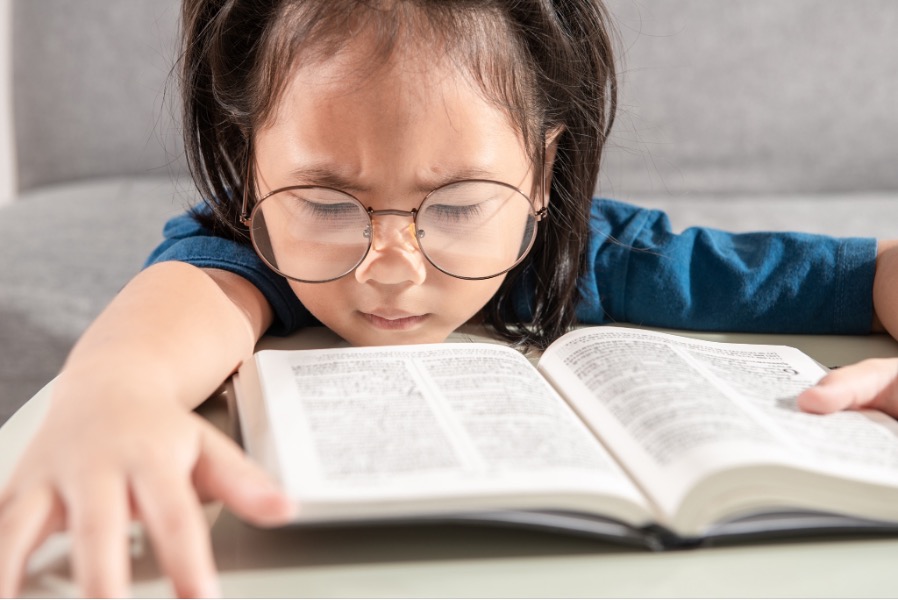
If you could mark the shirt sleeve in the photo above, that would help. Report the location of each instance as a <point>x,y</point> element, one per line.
<point>639,271</point>
<point>188,241</point>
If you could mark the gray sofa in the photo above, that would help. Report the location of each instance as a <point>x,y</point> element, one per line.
<point>99,169</point>
<point>748,114</point>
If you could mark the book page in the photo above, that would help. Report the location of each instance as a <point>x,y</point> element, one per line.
<point>676,409</point>
<point>858,444</point>
<point>427,421</point>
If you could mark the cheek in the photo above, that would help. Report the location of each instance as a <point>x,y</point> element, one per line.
<point>323,300</point>
<point>470,296</point>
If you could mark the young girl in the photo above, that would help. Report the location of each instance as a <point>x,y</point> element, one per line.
<point>390,169</point>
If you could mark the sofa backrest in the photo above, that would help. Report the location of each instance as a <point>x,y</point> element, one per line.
<point>758,96</point>
<point>89,89</point>
<point>717,97</point>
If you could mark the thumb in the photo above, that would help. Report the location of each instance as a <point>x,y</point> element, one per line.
<point>872,383</point>
<point>225,473</point>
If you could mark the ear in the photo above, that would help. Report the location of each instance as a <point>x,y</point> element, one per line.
<point>552,137</point>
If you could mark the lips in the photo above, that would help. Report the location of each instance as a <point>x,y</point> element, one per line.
<point>393,320</point>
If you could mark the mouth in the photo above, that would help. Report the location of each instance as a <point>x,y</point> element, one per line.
<point>393,321</point>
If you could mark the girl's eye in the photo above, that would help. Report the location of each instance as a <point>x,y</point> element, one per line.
<point>454,213</point>
<point>327,211</point>
<point>327,208</point>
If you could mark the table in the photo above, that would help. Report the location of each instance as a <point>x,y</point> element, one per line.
<point>465,561</point>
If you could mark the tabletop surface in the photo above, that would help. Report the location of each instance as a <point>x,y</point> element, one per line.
<point>467,560</point>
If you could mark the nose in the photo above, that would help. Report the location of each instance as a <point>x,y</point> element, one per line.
<point>395,256</point>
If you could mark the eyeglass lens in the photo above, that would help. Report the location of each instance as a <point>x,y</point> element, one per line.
<point>471,229</point>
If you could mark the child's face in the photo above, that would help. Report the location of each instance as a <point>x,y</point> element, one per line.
<point>388,137</point>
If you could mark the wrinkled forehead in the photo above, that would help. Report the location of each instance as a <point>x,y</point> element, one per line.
<point>347,42</point>
<point>411,63</point>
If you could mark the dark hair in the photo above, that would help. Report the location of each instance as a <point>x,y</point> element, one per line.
<point>549,65</point>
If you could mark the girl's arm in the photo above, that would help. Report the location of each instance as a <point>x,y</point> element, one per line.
<point>885,288</point>
<point>871,383</point>
<point>186,327</point>
<point>120,440</point>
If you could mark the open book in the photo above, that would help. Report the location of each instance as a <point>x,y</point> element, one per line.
<point>621,433</point>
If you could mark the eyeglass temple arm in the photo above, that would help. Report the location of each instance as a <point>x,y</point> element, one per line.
<point>244,216</point>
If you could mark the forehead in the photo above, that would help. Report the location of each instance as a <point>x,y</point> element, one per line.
<point>351,41</point>
<point>410,81</point>
<point>409,111</point>
<point>419,65</point>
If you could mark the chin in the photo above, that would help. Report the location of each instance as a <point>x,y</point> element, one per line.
<point>393,338</point>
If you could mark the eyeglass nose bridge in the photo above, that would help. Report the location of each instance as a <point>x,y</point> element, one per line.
<point>392,212</point>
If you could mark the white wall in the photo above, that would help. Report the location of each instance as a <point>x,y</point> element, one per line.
<point>8,185</point>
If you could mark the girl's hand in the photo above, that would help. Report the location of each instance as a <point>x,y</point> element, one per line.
<point>100,459</point>
<point>871,383</point>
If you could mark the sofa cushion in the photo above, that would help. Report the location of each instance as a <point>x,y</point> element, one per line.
<point>66,251</point>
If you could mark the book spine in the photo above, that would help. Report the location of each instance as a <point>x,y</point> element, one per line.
<point>660,538</point>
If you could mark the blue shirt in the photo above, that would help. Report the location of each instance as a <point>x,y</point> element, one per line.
<point>640,271</point>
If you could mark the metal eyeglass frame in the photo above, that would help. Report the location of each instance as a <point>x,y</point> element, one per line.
<point>246,218</point>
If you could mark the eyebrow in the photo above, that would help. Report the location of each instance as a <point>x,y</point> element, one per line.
<point>322,175</point>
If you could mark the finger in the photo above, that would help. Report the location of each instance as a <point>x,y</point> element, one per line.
<point>224,472</point>
<point>26,521</point>
<point>872,383</point>
<point>98,520</point>
<point>178,530</point>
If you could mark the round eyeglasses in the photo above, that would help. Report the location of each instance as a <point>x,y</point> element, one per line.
<point>472,229</point>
